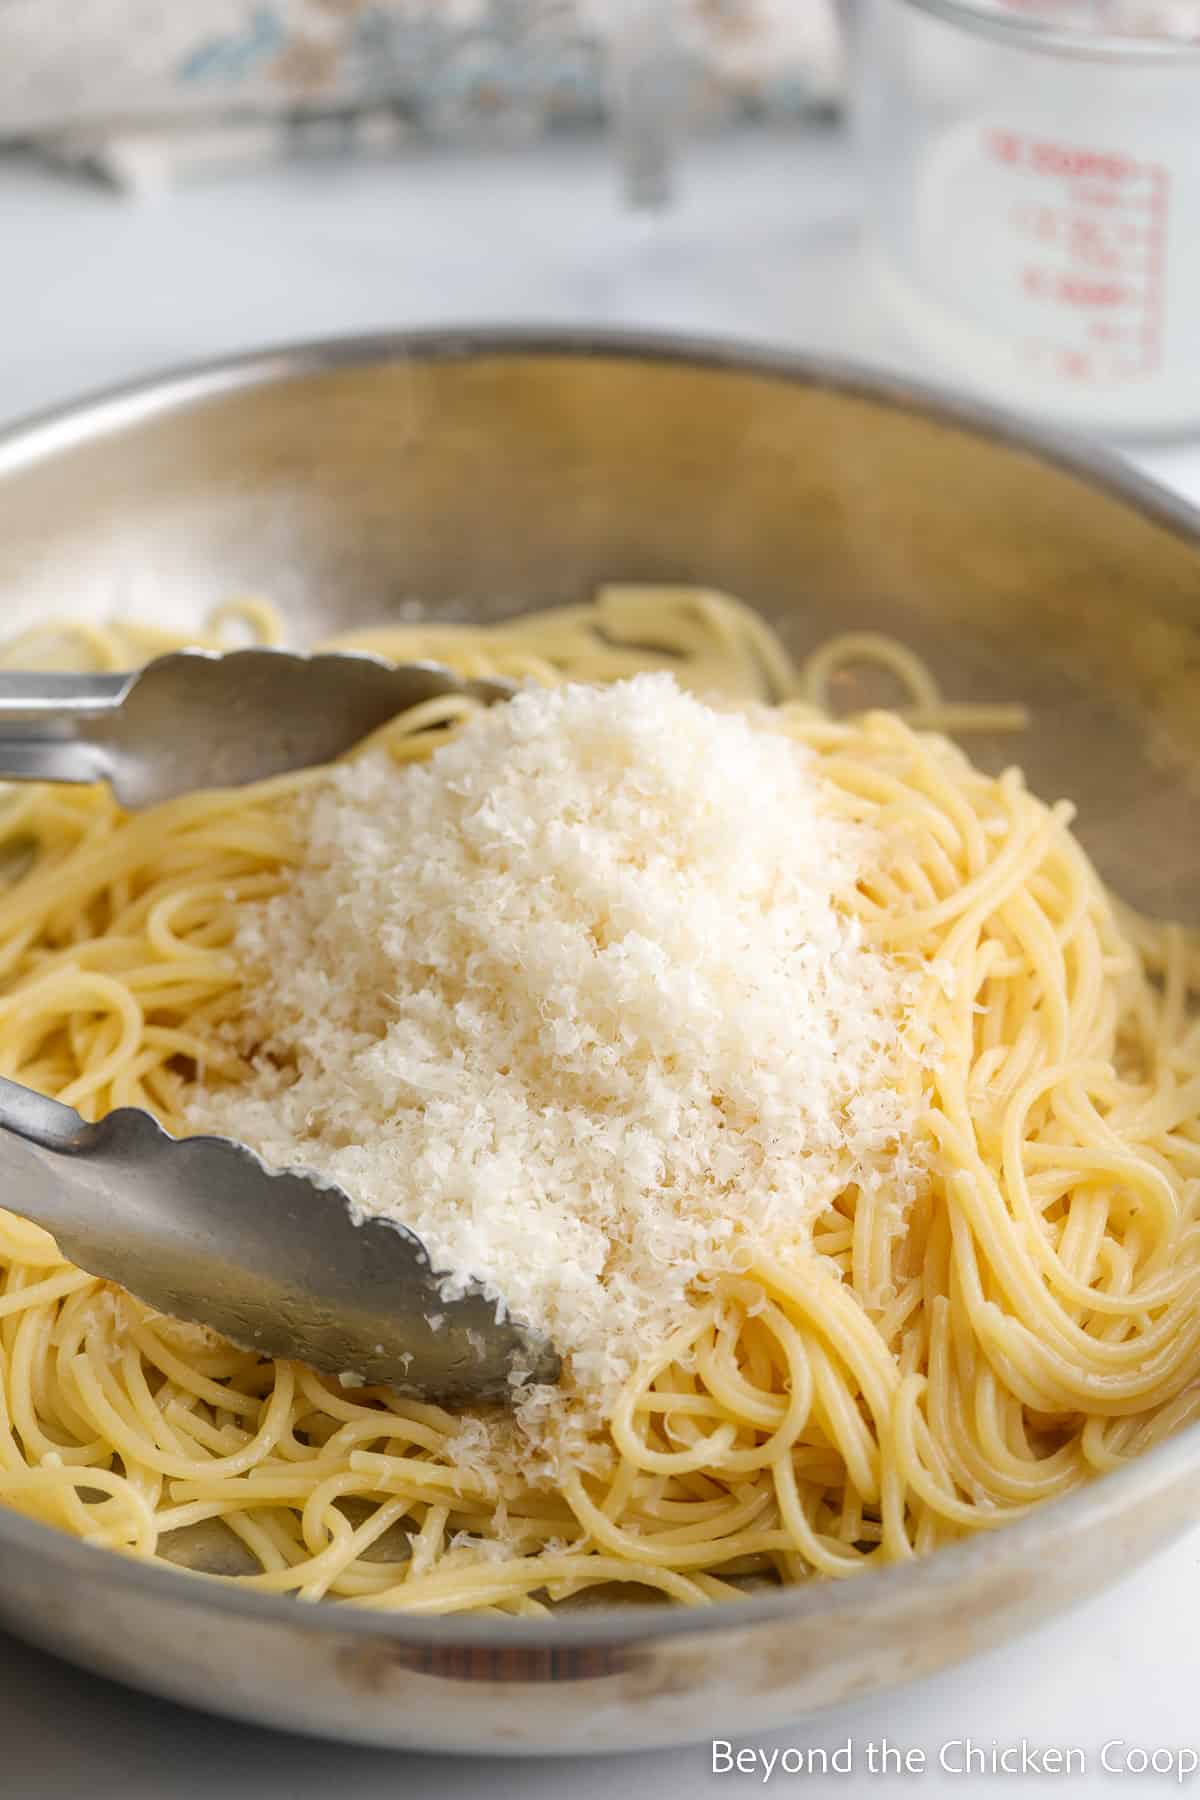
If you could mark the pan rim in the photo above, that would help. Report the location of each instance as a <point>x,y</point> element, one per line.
<point>74,424</point>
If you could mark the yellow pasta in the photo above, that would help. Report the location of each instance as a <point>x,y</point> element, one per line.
<point>899,1381</point>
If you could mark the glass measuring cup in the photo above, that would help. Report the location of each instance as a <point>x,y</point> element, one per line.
<point>1033,204</point>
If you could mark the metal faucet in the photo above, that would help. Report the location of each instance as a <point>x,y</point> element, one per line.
<point>647,98</point>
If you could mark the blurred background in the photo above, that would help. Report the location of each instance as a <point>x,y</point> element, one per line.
<point>1001,194</point>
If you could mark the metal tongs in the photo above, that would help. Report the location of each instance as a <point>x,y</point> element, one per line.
<point>200,1228</point>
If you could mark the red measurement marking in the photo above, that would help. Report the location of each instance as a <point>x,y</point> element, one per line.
<point>1074,290</point>
<point>1073,365</point>
<point>1005,146</point>
<point>1077,290</point>
<point>1106,199</point>
<point>1041,222</point>
<point>1092,259</point>
<point>1069,161</point>
<point>1090,243</point>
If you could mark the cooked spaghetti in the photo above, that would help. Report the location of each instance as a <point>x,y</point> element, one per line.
<point>898,1375</point>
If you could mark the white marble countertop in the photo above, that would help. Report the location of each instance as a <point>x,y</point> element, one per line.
<point>95,290</point>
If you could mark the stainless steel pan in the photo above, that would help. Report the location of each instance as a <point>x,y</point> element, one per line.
<point>483,474</point>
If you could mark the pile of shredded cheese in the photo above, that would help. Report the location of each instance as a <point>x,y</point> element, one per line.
<point>576,1001</point>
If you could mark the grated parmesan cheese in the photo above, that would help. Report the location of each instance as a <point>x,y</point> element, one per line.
<point>577,1002</point>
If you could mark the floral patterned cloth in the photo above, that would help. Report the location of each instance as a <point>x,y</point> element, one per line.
<point>444,66</point>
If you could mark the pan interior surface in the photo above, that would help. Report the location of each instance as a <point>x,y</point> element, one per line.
<point>476,478</point>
